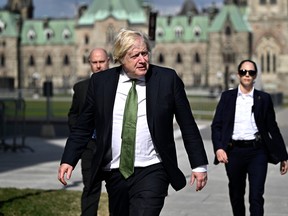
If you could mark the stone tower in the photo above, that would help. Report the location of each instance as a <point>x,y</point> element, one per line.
<point>24,7</point>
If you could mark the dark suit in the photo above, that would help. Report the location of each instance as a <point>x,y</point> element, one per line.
<point>165,97</point>
<point>272,148</point>
<point>89,199</point>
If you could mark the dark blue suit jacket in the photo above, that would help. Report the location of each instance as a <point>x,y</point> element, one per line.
<point>165,97</point>
<point>80,90</point>
<point>223,124</point>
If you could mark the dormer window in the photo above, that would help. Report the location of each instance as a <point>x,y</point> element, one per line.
<point>2,26</point>
<point>178,32</point>
<point>49,34</point>
<point>159,32</point>
<point>66,34</point>
<point>197,31</point>
<point>31,35</point>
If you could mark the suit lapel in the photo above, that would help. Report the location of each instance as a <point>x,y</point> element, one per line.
<point>152,88</point>
<point>109,93</point>
<point>257,104</point>
<point>232,104</point>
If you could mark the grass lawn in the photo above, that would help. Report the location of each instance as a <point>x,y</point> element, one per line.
<point>32,202</point>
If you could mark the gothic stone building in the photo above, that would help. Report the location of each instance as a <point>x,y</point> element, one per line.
<point>203,46</point>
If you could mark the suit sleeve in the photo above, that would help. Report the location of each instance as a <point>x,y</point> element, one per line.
<point>190,133</point>
<point>74,109</point>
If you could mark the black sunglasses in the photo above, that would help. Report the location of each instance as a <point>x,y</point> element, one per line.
<point>243,72</point>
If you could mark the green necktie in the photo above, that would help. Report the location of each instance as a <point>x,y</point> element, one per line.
<point>127,157</point>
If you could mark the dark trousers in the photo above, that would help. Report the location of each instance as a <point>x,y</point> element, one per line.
<point>89,199</point>
<point>254,163</point>
<point>142,194</point>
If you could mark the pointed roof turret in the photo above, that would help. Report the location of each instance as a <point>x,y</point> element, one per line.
<point>189,8</point>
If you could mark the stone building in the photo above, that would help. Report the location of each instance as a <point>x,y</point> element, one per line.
<point>204,45</point>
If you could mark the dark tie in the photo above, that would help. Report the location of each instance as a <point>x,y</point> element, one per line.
<point>127,157</point>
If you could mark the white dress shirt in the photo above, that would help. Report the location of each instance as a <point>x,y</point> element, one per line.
<point>145,153</point>
<point>244,123</point>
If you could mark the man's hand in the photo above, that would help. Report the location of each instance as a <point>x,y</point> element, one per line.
<point>201,179</point>
<point>221,156</point>
<point>283,167</point>
<point>64,169</point>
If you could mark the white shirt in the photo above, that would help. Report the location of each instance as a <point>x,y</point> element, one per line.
<point>244,123</point>
<point>145,153</point>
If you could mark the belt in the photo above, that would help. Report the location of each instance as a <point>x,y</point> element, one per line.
<point>245,143</point>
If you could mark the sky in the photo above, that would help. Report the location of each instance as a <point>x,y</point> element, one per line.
<point>68,8</point>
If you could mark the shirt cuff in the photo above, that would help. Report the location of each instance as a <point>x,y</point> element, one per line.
<point>200,169</point>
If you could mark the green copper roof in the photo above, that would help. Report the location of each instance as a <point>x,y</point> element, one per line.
<point>8,24</point>
<point>119,9</point>
<point>235,15</point>
<point>193,29</point>
<point>42,32</point>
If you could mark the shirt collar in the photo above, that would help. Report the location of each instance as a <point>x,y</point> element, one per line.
<point>250,94</point>
<point>124,78</point>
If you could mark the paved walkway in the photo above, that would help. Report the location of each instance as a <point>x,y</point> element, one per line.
<point>38,169</point>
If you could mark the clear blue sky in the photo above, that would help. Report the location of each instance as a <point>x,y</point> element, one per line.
<point>67,8</point>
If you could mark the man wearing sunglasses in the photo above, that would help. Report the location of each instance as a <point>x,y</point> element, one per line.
<point>246,138</point>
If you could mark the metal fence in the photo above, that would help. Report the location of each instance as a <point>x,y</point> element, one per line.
<point>12,123</point>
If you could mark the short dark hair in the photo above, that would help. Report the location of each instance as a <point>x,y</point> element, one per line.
<point>248,60</point>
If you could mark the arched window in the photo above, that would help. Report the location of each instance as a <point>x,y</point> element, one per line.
<point>268,62</point>
<point>85,57</point>
<point>86,39</point>
<point>178,32</point>
<point>66,60</point>
<point>161,58</point>
<point>110,34</point>
<point>178,58</point>
<point>159,32</point>
<point>49,34</point>
<point>228,31</point>
<point>66,34</point>
<point>2,26</point>
<point>31,34</point>
<point>197,31</point>
<point>31,60</point>
<point>197,58</point>
<point>48,60</point>
<point>2,60</point>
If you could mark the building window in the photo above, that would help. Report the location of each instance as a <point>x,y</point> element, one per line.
<point>66,34</point>
<point>178,32</point>
<point>110,34</point>
<point>262,61</point>
<point>179,58</point>
<point>2,26</point>
<point>2,60</point>
<point>49,34</point>
<point>197,31</point>
<point>31,35</point>
<point>161,58</point>
<point>262,2</point>
<point>274,63</point>
<point>31,61</point>
<point>66,60</point>
<point>48,60</point>
<point>228,31</point>
<point>86,57</point>
<point>159,32</point>
<point>86,39</point>
<point>197,58</point>
<point>268,62</point>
